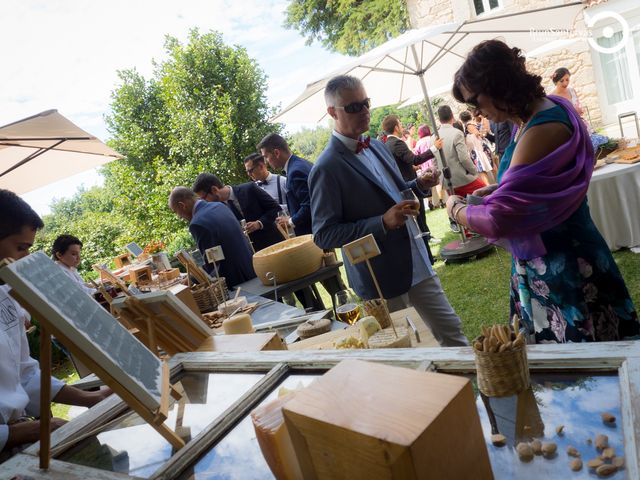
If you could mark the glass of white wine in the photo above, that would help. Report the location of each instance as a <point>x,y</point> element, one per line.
<point>415,209</point>
<point>347,308</point>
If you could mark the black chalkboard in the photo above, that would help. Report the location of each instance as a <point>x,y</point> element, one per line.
<point>82,320</point>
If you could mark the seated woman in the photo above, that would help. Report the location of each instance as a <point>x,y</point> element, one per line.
<point>565,285</point>
<point>66,253</point>
<point>19,373</point>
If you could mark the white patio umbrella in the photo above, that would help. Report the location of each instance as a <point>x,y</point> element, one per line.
<point>402,67</point>
<point>44,148</point>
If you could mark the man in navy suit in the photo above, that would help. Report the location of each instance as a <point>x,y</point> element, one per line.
<point>212,224</point>
<point>247,202</point>
<point>275,150</point>
<point>355,191</point>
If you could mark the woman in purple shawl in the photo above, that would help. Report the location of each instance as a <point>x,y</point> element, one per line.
<point>565,284</point>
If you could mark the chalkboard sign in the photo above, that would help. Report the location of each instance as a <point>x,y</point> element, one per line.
<point>82,320</point>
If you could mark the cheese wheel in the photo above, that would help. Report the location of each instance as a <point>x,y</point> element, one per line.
<point>274,440</point>
<point>387,339</point>
<point>238,324</point>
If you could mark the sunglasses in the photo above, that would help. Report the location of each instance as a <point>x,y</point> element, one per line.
<point>356,107</point>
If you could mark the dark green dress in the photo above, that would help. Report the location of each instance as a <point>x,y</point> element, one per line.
<point>575,292</point>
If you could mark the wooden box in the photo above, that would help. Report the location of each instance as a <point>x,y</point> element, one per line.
<point>122,260</point>
<point>371,421</point>
<point>184,294</point>
<point>141,275</point>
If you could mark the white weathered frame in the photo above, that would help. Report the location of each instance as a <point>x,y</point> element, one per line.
<point>623,357</point>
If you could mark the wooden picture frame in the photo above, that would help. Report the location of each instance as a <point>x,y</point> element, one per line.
<point>622,358</point>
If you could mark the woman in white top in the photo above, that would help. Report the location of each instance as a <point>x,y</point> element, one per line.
<point>560,79</point>
<point>66,253</point>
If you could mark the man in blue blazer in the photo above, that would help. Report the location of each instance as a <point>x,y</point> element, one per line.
<point>212,224</point>
<point>275,150</point>
<point>355,190</point>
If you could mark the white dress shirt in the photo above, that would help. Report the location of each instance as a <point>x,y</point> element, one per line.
<point>73,274</point>
<point>272,184</point>
<point>19,373</point>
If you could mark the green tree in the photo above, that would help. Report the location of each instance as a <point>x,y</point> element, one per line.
<point>352,27</point>
<point>310,142</point>
<point>203,110</point>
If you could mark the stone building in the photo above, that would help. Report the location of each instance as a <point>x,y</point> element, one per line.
<point>607,83</point>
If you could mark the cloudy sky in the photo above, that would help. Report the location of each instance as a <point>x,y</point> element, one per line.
<point>64,54</point>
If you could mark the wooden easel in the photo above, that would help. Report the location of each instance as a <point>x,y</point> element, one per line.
<point>155,417</point>
<point>154,333</point>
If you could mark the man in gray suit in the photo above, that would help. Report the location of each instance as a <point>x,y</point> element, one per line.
<point>355,190</point>
<point>464,174</point>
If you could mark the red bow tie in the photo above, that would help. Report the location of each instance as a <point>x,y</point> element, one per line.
<point>362,144</point>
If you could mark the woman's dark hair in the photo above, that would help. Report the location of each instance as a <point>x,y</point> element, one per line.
<point>15,213</point>
<point>62,244</point>
<point>465,116</point>
<point>424,131</point>
<point>459,126</point>
<point>499,72</point>
<point>559,73</point>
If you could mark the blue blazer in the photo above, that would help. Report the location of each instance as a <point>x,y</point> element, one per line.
<point>214,224</point>
<point>347,203</point>
<point>298,199</point>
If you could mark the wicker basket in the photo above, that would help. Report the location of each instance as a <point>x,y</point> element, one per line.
<point>377,307</point>
<point>288,260</point>
<point>502,374</point>
<point>208,297</point>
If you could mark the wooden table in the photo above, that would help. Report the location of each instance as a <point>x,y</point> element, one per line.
<point>327,340</point>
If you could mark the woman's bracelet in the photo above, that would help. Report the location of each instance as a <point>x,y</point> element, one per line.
<point>457,212</point>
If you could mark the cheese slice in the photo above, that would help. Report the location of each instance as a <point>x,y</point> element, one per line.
<point>238,324</point>
<point>387,339</point>
<point>274,440</point>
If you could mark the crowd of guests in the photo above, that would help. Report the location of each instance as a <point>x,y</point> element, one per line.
<point>528,156</point>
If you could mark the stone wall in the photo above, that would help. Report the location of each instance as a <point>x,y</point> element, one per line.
<point>424,13</point>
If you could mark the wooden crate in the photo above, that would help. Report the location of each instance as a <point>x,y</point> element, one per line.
<point>141,275</point>
<point>371,421</point>
<point>122,260</point>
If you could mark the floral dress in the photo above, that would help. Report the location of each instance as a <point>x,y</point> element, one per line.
<point>575,292</point>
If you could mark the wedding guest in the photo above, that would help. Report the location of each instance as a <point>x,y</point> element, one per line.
<point>65,252</point>
<point>566,286</point>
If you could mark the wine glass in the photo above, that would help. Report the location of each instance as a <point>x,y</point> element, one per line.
<point>347,308</point>
<point>415,207</point>
<point>284,213</point>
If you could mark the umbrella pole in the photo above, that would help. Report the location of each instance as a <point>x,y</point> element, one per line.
<point>445,168</point>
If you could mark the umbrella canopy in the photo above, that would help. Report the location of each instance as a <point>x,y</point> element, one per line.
<point>44,148</point>
<point>396,71</point>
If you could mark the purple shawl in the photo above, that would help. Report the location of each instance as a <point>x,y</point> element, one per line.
<point>534,198</point>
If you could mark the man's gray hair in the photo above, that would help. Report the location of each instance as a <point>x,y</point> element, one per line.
<point>335,87</point>
<point>180,194</point>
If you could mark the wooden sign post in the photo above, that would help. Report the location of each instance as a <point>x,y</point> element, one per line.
<point>361,250</point>
<point>215,255</point>
<point>90,333</point>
